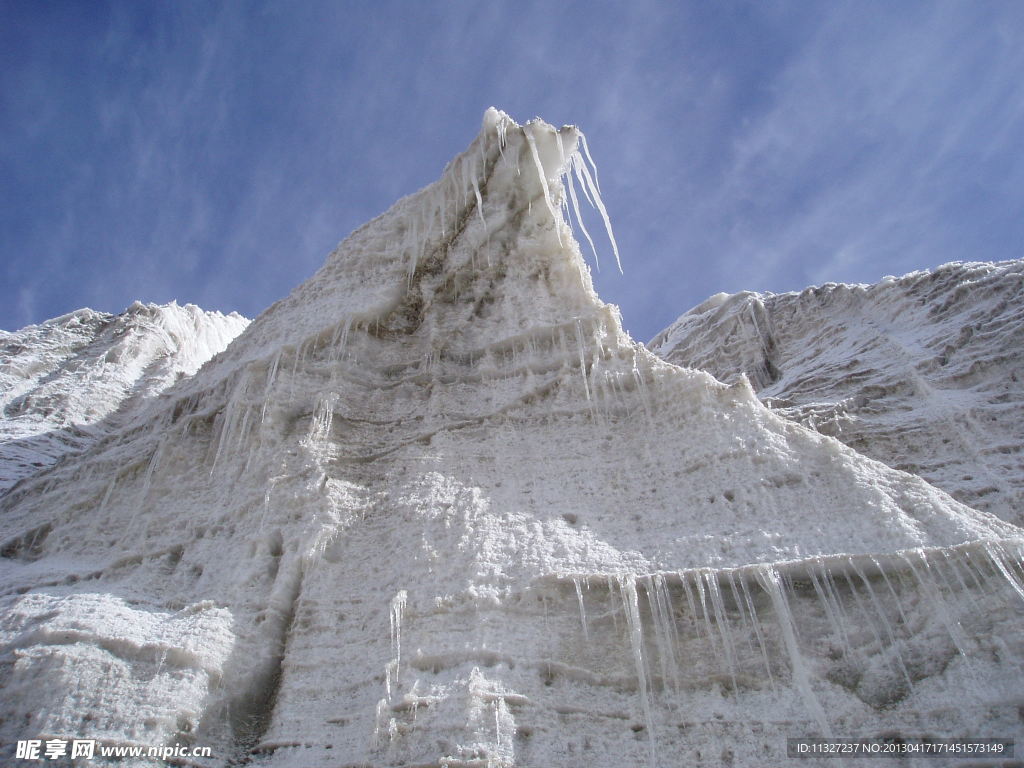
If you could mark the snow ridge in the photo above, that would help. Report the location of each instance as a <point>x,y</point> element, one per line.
<point>924,372</point>
<point>64,383</point>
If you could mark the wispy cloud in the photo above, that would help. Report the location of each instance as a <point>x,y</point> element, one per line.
<point>873,151</point>
<point>215,153</point>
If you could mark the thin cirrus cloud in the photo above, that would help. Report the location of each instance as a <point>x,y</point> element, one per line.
<point>215,153</point>
<point>879,148</point>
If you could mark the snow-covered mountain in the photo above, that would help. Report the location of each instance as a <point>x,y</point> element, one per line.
<point>436,508</point>
<point>71,380</point>
<point>924,372</point>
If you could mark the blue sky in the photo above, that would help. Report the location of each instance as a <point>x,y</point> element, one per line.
<point>215,152</point>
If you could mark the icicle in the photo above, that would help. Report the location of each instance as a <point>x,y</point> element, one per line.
<point>528,132</point>
<point>479,201</point>
<point>977,571</point>
<point>347,328</point>
<point>222,439</point>
<point>614,612</point>
<point>243,429</point>
<point>662,632</point>
<point>691,604</point>
<point>398,603</point>
<point>892,591</point>
<point>886,624</point>
<point>413,247</point>
<point>502,127</point>
<point>631,606</point>
<point>575,168</point>
<point>931,591</point>
<point>586,150</point>
<point>323,418</point>
<point>829,585</point>
<point>770,582</point>
<point>954,568</point>
<point>561,149</point>
<point>838,629</point>
<point>268,388</point>
<point>997,559</point>
<point>866,618</point>
<point>737,598</point>
<point>148,478</point>
<point>722,620</point>
<point>755,622</point>
<point>641,387</point>
<point>381,712</point>
<point>583,610</point>
<point>595,195</point>
<point>665,595</point>
<point>699,584</point>
<point>576,209</point>
<point>266,502</point>
<point>583,360</point>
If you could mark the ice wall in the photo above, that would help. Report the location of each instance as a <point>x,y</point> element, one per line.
<point>436,508</point>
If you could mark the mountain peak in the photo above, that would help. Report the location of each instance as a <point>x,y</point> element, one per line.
<point>484,251</point>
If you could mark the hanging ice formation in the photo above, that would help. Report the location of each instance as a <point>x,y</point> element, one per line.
<point>437,508</point>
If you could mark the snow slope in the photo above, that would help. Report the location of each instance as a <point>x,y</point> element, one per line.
<point>436,508</point>
<point>68,381</point>
<point>924,372</point>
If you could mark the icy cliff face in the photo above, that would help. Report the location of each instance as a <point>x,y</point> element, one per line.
<point>67,382</point>
<point>437,508</point>
<point>923,372</point>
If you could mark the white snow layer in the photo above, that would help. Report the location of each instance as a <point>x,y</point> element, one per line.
<point>436,508</point>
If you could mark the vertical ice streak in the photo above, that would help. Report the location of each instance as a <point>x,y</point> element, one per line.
<point>269,386</point>
<point>586,151</point>
<point>769,580</point>
<point>631,608</point>
<point>106,496</point>
<point>595,194</point>
<point>479,197</point>
<point>886,624</point>
<point>398,603</point>
<point>996,555</point>
<point>654,585</point>
<point>154,461</point>
<point>583,361</point>
<point>724,629</point>
<point>535,155</point>
<point>583,610</point>
<point>322,418</point>
<point>931,591</point>
<point>576,207</point>
<point>831,613</point>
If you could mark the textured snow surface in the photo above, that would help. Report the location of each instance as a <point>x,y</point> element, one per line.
<point>67,382</point>
<point>437,509</point>
<point>924,372</point>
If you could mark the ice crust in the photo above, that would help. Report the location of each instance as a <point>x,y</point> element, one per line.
<point>436,508</point>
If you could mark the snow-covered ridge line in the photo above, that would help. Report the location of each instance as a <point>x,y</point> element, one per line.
<point>922,372</point>
<point>68,381</point>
